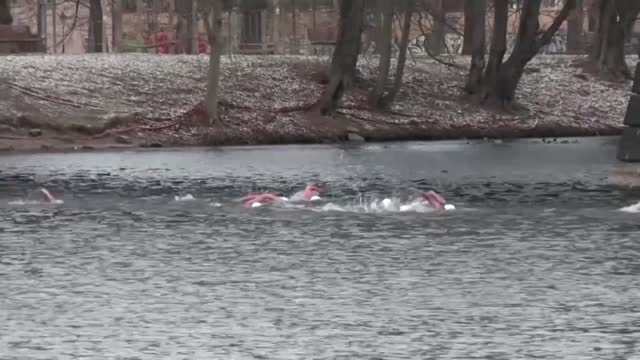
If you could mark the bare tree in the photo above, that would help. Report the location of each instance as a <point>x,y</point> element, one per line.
<point>477,35</point>
<point>385,8</point>
<point>409,6</point>
<point>500,79</point>
<point>469,17</point>
<point>615,21</point>
<point>96,33</point>
<point>193,28</point>
<point>5,13</point>
<point>345,55</point>
<point>436,40</point>
<point>575,28</point>
<point>184,26</point>
<point>213,24</point>
<point>116,23</point>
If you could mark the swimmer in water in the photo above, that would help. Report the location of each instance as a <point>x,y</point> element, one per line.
<point>430,199</point>
<point>312,192</point>
<point>257,200</point>
<point>48,198</point>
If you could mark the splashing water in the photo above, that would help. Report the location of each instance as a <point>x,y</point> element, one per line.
<point>49,199</point>
<point>386,205</point>
<point>187,197</point>
<point>635,208</point>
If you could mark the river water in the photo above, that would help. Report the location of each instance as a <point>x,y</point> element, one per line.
<point>536,262</point>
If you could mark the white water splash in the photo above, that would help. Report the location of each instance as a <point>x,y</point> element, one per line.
<point>35,202</point>
<point>187,197</point>
<point>635,208</point>
<point>386,205</point>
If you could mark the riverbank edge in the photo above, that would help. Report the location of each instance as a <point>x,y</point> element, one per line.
<point>329,134</point>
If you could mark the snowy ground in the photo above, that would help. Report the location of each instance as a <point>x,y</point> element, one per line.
<point>88,90</point>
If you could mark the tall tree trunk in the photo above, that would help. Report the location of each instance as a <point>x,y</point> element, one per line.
<point>498,47</point>
<point>5,13</point>
<point>409,6</point>
<point>294,29</point>
<point>615,22</point>
<point>95,16</point>
<point>277,17</point>
<point>476,14</point>
<point>216,47</point>
<point>41,23</point>
<point>436,39</point>
<point>117,25</point>
<point>336,6</point>
<point>377,27</point>
<point>470,14</point>
<point>193,28</point>
<point>54,27</point>
<point>184,26</point>
<point>345,55</point>
<point>172,13</point>
<point>575,29</point>
<point>385,8</point>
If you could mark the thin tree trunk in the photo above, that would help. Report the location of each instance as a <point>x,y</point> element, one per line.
<point>117,25</point>
<point>216,47</point>
<point>193,29</point>
<point>377,27</point>
<point>40,24</point>
<point>615,22</point>
<point>469,16</point>
<point>105,33</point>
<point>294,28</point>
<point>184,26</point>
<point>140,7</point>
<point>5,13</point>
<point>54,27</point>
<point>436,39</point>
<point>385,7</point>
<point>345,55</point>
<point>575,29</point>
<point>476,14</point>
<point>498,47</point>
<point>402,52</point>
<point>95,16</point>
<point>277,38</point>
<point>313,15</point>
<point>172,13</point>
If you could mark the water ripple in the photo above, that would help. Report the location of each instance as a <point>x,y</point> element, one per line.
<point>543,267</point>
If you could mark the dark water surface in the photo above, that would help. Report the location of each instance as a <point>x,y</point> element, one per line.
<point>536,263</point>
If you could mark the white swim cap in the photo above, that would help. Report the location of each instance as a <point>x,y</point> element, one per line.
<point>256,204</point>
<point>315,197</point>
<point>449,207</point>
<point>284,198</point>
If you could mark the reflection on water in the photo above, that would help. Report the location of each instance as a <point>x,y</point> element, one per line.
<point>536,263</point>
